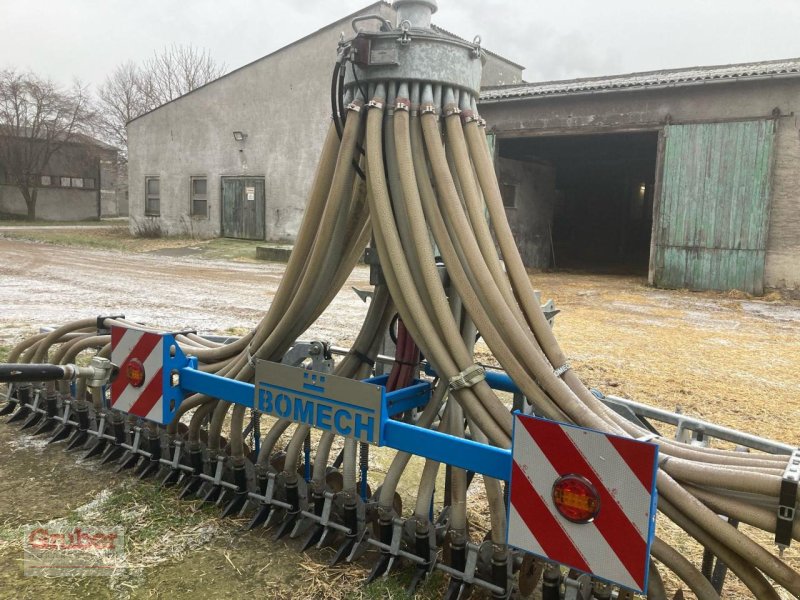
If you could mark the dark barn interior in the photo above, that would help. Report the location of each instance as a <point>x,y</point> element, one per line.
<point>601,196</point>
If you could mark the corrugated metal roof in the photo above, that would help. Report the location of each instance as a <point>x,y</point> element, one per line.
<point>649,79</point>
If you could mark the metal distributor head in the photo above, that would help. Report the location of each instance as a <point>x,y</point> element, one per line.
<point>416,12</point>
<point>406,58</point>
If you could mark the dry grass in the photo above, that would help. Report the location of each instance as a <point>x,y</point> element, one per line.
<point>728,359</point>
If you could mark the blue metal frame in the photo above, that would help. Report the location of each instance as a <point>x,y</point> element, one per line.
<point>459,452</point>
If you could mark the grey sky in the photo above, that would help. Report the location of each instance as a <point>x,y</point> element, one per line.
<point>63,39</point>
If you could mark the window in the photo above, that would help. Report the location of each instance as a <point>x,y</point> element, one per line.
<point>45,179</point>
<point>65,181</point>
<point>88,183</point>
<point>199,197</point>
<point>508,191</point>
<point>77,182</point>
<point>152,205</point>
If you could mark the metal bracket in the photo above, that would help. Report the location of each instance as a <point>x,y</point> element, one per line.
<point>788,501</point>
<point>577,587</point>
<point>468,575</point>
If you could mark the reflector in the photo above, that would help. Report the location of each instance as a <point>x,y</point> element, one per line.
<point>575,498</point>
<point>134,371</point>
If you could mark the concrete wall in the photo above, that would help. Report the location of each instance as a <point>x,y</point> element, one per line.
<point>109,203</point>
<point>59,204</point>
<point>497,71</point>
<point>638,110</point>
<point>533,214</point>
<point>783,241</point>
<point>282,103</point>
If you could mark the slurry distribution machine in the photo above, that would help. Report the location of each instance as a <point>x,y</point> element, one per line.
<point>572,478</point>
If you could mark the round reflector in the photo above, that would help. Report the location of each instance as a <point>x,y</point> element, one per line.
<point>576,499</point>
<point>134,371</point>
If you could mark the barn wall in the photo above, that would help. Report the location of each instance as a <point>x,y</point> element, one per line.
<point>637,110</point>
<point>282,103</point>
<point>531,218</point>
<point>60,204</point>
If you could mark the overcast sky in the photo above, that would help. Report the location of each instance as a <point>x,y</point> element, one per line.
<point>64,39</point>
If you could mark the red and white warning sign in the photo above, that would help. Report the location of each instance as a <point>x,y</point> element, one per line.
<point>584,499</point>
<point>139,387</point>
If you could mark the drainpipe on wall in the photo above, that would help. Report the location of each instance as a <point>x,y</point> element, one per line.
<point>99,187</point>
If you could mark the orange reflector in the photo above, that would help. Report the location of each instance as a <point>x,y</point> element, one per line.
<point>576,499</point>
<point>134,371</point>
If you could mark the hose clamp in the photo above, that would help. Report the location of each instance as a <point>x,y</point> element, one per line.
<point>470,376</point>
<point>788,501</point>
<point>251,360</point>
<point>354,106</point>
<point>481,122</point>
<point>562,369</point>
<point>375,104</point>
<point>452,110</point>
<point>402,104</point>
<point>425,109</point>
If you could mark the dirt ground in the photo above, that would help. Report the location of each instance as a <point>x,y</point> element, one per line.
<point>728,359</point>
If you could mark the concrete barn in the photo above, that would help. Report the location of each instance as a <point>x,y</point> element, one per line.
<point>691,176</point>
<point>236,157</point>
<point>78,183</point>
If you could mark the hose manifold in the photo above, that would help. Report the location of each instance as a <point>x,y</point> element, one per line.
<point>470,376</point>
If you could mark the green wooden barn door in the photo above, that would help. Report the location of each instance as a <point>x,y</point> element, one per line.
<point>243,208</point>
<point>710,226</point>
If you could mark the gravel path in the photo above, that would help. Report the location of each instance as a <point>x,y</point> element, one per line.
<point>43,285</point>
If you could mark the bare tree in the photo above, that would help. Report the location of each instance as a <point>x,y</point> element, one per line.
<point>120,100</point>
<point>37,118</point>
<point>132,90</point>
<point>176,70</point>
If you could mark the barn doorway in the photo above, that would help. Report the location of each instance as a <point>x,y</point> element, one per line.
<point>601,197</point>
<point>243,208</point>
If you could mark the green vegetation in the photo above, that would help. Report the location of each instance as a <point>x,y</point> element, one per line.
<point>10,221</point>
<point>118,238</point>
